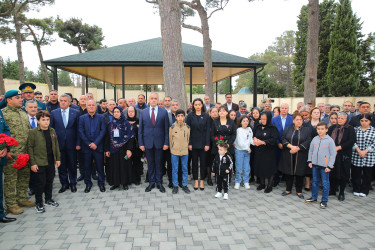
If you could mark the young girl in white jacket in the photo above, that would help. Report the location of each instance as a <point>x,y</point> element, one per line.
<point>242,149</point>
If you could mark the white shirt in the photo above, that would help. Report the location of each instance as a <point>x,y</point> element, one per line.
<point>155,111</point>
<point>229,106</point>
<point>243,139</point>
<point>31,120</point>
<point>66,115</point>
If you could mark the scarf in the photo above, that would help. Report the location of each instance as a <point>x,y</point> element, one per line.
<point>134,119</point>
<point>125,132</point>
<point>339,130</point>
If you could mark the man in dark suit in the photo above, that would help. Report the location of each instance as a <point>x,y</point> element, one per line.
<point>65,122</point>
<point>242,109</point>
<point>92,130</point>
<point>207,103</point>
<point>281,122</point>
<point>153,137</point>
<point>230,104</point>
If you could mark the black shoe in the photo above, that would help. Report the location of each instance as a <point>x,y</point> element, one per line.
<point>311,200</point>
<point>52,203</point>
<point>186,189</point>
<point>149,188</point>
<point>125,187</point>
<point>31,192</point>
<point>113,187</point>
<point>180,185</point>
<point>40,208</point>
<point>7,219</point>
<point>73,188</point>
<point>102,189</point>
<point>95,177</point>
<point>137,183</point>
<point>87,189</point>
<point>251,180</point>
<point>170,185</point>
<point>285,193</point>
<point>175,190</point>
<point>307,189</point>
<point>268,189</point>
<point>146,180</point>
<point>209,183</point>
<point>80,178</point>
<point>276,183</point>
<point>63,189</point>
<point>341,197</point>
<point>260,187</point>
<point>323,204</point>
<point>332,193</point>
<point>161,188</point>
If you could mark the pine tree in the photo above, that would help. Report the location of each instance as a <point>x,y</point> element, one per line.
<point>343,66</point>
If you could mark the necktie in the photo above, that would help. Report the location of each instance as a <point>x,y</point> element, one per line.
<point>153,117</point>
<point>64,118</point>
<point>33,125</point>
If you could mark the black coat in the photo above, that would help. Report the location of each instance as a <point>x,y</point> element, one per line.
<point>228,131</point>
<point>342,164</point>
<point>199,130</point>
<point>295,164</point>
<point>354,121</point>
<point>265,155</point>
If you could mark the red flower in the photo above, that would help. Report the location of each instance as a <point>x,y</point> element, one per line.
<point>21,161</point>
<point>216,138</point>
<point>7,141</point>
<point>221,138</point>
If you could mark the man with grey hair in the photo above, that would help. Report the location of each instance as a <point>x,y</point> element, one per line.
<point>300,105</point>
<point>132,103</point>
<point>267,106</point>
<point>65,122</point>
<point>327,112</point>
<point>89,96</point>
<point>321,107</point>
<point>242,109</point>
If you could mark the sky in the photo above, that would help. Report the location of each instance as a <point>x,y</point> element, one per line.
<point>243,28</point>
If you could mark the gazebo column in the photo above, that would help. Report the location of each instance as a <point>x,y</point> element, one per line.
<point>191,84</point>
<point>146,93</point>
<point>123,82</point>
<point>230,85</point>
<point>114,92</point>
<point>55,78</point>
<point>87,84</point>
<point>104,90</point>
<point>255,91</point>
<point>216,91</point>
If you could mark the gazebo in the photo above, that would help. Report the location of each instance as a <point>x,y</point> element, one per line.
<point>141,63</point>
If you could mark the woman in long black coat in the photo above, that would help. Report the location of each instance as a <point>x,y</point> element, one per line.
<point>296,142</point>
<point>137,165</point>
<point>344,136</point>
<point>254,121</point>
<point>265,137</point>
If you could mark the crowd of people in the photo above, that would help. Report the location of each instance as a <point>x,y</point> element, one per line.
<point>109,142</point>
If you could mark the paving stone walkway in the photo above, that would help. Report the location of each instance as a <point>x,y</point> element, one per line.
<point>134,219</point>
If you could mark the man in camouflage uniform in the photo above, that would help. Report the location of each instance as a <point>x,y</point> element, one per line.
<point>27,89</point>
<point>16,181</point>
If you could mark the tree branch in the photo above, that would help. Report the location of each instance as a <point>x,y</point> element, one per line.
<point>152,1</point>
<point>220,8</point>
<point>191,5</point>
<point>192,27</point>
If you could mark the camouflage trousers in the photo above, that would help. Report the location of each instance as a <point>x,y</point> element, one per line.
<point>16,182</point>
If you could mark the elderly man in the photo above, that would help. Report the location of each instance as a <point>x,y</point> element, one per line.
<point>131,102</point>
<point>89,96</point>
<point>141,102</point>
<point>53,100</point>
<point>108,116</point>
<point>327,112</point>
<point>207,103</point>
<point>16,181</point>
<point>27,89</point>
<point>268,107</point>
<point>321,107</point>
<point>300,105</point>
<point>347,106</point>
<point>242,109</point>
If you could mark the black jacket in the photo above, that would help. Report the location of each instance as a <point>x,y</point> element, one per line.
<point>219,167</point>
<point>354,121</point>
<point>228,131</point>
<point>199,130</point>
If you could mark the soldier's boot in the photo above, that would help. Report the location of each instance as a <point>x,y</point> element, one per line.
<point>26,203</point>
<point>15,210</point>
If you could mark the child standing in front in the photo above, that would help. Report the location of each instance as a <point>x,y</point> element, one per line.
<point>179,134</point>
<point>222,168</point>
<point>242,149</point>
<point>44,153</point>
<point>322,155</point>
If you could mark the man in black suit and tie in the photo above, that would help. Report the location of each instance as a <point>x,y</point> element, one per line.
<point>31,108</point>
<point>65,122</point>
<point>153,137</point>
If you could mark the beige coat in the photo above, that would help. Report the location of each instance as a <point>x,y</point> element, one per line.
<point>179,139</point>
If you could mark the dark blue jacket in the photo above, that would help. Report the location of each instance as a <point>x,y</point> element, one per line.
<point>152,136</point>
<point>4,129</point>
<point>278,124</point>
<point>51,107</point>
<point>92,129</point>
<point>68,137</point>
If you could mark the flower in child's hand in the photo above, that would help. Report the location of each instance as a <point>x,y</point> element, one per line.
<point>221,137</point>
<point>216,138</point>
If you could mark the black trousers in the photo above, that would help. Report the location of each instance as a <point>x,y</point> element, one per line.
<point>202,155</point>
<point>44,183</point>
<point>289,183</point>
<point>361,179</point>
<point>222,182</point>
<point>168,169</point>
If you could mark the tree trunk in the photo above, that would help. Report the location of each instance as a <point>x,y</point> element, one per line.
<point>83,79</point>
<point>21,65</point>
<point>207,51</point>
<point>2,86</point>
<point>44,69</point>
<point>173,65</point>
<point>312,58</point>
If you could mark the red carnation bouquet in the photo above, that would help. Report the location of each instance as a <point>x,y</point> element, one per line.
<point>21,159</point>
<point>220,140</point>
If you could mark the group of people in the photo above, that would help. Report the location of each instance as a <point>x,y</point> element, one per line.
<point>109,141</point>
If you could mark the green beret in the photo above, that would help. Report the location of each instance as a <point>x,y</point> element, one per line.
<point>8,94</point>
<point>27,87</point>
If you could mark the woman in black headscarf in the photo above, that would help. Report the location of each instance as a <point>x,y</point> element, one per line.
<point>119,142</point>
<point>344,136</point>
<point>137,165</point>
<point>254,122</point>
<point>265,137</point>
